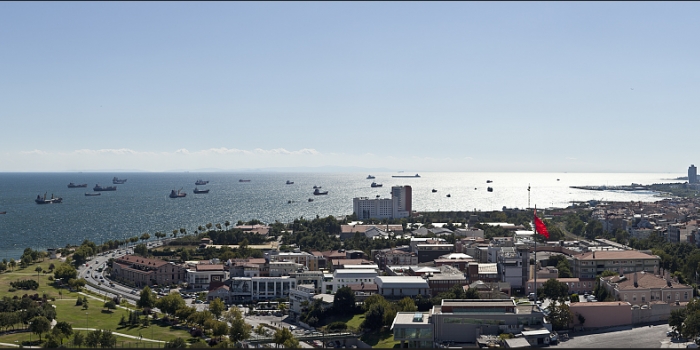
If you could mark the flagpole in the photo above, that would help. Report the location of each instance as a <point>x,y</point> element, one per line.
<point>534,236</point>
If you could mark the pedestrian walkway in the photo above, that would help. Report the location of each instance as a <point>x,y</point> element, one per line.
<point>123,335</point>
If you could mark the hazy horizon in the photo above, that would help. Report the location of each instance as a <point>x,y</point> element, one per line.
<point>433,86</point>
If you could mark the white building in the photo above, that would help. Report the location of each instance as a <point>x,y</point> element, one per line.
<point>398,206</point>
<point>308,260</point>
<point>302,293</point>
<point>402,286</point>
<point>284,268</point>
<point>344,277</point>
<point>201,275</point>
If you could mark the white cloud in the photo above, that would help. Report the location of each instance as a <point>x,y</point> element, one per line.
<point>36,151</point>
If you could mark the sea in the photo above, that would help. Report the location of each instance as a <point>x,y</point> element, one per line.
<point>141,205</point>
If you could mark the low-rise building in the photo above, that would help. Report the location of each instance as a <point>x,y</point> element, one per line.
<point>386,257</point>
<point>200,275</point>
<point>576,285</point>
<point>446,277</point>
<point>642,287</point>
<point>138,271</point>
<point>591,264</point>
<point>344,277</point>
<point>397,287</point>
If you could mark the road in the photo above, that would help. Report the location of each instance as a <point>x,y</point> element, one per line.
<point>640,337</point>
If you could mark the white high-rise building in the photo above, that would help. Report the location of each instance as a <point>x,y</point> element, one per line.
<point>398,206</point>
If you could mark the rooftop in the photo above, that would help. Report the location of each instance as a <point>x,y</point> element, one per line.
<point>614,254</point>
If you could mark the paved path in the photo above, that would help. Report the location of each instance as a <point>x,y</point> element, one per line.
<point>123,335</point>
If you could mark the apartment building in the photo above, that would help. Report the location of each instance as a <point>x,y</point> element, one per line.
<point>590,264</point>
<point>138,271</point>
<point>398,206</point>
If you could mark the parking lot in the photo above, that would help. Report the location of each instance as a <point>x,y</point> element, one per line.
<point>640,337</point>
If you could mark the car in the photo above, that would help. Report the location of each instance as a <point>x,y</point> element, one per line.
<point>670,333</point>
<point>692,346</point>
<point>111,284</point>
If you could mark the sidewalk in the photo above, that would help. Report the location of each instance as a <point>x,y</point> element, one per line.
<point>122,335</point>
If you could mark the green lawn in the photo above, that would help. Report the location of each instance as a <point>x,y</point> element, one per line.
<point>383,339</point>
<point>97,317</point>
<point>45,286</point>
<point>353,321</point>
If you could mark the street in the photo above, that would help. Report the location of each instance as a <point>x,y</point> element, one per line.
<point>640,337</point>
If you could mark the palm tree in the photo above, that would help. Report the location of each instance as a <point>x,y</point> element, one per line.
<point>38,271</point>
<point>227,223</point>
<point>183,231</point>
<point>174,233</point>
<point>13,264</point>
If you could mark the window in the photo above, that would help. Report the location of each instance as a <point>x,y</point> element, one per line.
<point>685,296</point>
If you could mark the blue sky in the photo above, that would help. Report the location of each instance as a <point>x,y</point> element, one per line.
<point>426,86</point>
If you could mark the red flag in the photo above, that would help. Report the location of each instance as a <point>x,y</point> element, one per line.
<point>540,227</point>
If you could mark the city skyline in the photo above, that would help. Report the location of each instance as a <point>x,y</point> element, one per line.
<point>466,86</point>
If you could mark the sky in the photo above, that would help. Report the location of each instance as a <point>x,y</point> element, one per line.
<point>424,86</point>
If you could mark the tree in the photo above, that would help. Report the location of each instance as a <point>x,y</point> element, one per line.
<point>107,339</point>
<point>145,236</point>
<point>291,343</point>
<point>344,301</point>
<point>554,290</point>
<point>110,305</point>
<point>38,271</point>
<point>260,329</point>
<point>93,338</point>
<point>560,315</point>
<point>217,307</point>
<point>39,325</point>
<point>219,328</point>
<point>176,343</point>
<point>407,305</point>
<point>472,293</point>
<point>147,300</point>
<point>65,272</point>
<point>13,264</point>
<point>239,329</point>
<point>64,328</point>
<point>581,319</point>
<point>78,339</point>
<point>141,250</point>
<point>282,335</point>
<point>171,303</point>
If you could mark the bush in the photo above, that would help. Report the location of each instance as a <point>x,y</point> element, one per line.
<point>337,326</point>
<point>25,284</point>
<point>574,297</point>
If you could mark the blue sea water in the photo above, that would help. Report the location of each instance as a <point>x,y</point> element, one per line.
<point>142,204</point>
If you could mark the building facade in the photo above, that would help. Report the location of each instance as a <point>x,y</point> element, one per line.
<point>591,264</point>
<point>398,206</point>
<point>138,271</point>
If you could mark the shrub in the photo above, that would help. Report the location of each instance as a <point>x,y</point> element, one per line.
<point>574,297</point>
<point>337,326</point>
<point>25,284</point>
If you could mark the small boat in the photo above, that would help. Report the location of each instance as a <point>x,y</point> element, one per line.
<point>370,177</point>
<point>177,194</point>
<point>448,195</point>
<point>197,190</point>
<point>241,180</point>
<point>490,189</point>
<point>100,188</point>
<point>289,182</point>
<point>289,202</point>
<point>434,190</point>
<point>557,179</point>
<point>488,181</point>
<point>201,182</point>
<point>52,200</point>
<point>318,192</point>
<point>72,185</point>
<point>91,194</point>
<point>311,199</point>
<point>118,181</point>
<point>3,212</point>
<point>405,175</point>
<point>378,196</point>
<point>317,187</point>
<point>374,184</point>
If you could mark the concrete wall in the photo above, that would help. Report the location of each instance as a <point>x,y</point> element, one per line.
<point>602,314</point>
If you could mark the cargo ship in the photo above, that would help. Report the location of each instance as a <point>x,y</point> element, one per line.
<point>318,192</point>
<point>177,194</point>
<point>405,175</point>
<point>241,180</point>
<point>118,181</point>
<point>72,185</point>
<point>201,182</point>
<point>91,194</point>
<point>52,200</point>
<point>98,188</point>
<point>374,184</point>
<point>290,182</point>
<point>197,190</point>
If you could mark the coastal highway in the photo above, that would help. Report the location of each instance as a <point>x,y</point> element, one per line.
<point>97,282</point>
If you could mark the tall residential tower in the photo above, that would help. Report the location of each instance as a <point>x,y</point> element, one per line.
<point>692,174</point>
<point>398,206</point>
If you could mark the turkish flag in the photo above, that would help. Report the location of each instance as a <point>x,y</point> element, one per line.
<point>540,227</point>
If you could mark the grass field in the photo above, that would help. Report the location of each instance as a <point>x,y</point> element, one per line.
<point>29,273</point>
<point>383,339</point>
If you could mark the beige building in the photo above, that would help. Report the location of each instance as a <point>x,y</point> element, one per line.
<point>137,271</point>
<point>641,288</point>
<point>591,264</point>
